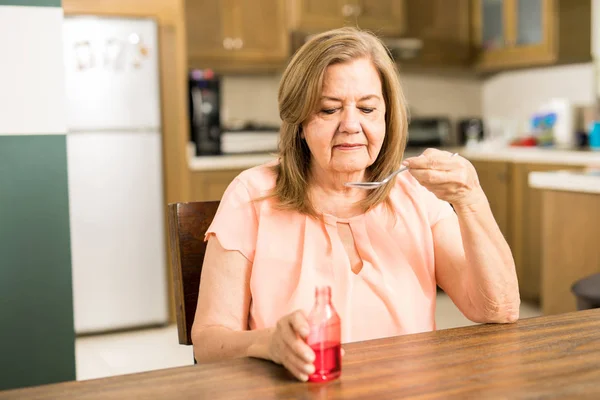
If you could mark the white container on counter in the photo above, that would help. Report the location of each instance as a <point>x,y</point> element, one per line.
<point>564,128</point>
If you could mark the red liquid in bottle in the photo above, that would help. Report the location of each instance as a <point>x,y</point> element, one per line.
<point>328,361</point>
<point>325,338</point>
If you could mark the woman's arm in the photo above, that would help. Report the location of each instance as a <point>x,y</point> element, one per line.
<point>220,329</point>
<point>221,320</point>
<point>474,265</point>
<point>473,262</point>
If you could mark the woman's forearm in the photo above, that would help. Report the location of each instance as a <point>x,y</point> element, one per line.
<point>490,279</point>
<point>218,343</point>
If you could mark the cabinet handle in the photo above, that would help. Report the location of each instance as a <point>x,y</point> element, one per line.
<point>228,43</point>
<point>347,10</point>
<point>238,43</point>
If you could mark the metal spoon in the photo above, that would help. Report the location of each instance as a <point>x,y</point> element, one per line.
<point>375,185</point>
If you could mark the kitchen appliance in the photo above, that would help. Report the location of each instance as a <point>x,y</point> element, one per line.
<point>114,156</point>
<point>250,137</point>
<point>428,132</point>
<point>470,128</point>
<point>205,118</point>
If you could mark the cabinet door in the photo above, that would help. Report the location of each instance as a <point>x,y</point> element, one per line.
<point>531,32</point>
<point>207,23</point>
<point>210,185</point>
<point>492,18</point>
<point>321,15</point>
<point>445,29</point>
<point>259,29</point>
<point>494,177</point>
<point>530,22</point>
<point>386,17</point>
<point>526,227</point>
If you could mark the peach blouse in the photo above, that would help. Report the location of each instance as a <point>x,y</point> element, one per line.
<point>394,293</point>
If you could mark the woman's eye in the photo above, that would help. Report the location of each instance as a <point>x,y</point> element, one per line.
<point>328,110</point>
<point>367,110</point>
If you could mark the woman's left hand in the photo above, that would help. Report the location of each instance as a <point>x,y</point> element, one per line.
<point>452,179</point>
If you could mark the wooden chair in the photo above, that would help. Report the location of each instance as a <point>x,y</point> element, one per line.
<point>187,224</point>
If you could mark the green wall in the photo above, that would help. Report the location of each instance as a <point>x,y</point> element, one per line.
<point>37,336</point>
<point>35,3</point>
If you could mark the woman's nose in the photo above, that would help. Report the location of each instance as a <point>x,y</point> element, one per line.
<point>349,122</point>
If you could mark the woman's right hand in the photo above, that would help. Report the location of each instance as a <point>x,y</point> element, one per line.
<point>287,345</point>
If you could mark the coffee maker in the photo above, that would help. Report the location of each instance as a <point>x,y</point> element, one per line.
<point>205,119</point>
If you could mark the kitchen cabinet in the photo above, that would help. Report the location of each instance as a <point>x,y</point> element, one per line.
<point>517,209</point>
<point>521,33</point>
<point>570,250</point>
<point>209,185</point>
<point>494,178</point>
<point>229,35</point>
<point>444,27</point>
<point>384,17</point>
<point>526,226</point>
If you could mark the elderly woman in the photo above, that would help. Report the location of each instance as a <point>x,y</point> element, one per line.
<point>290,225</point>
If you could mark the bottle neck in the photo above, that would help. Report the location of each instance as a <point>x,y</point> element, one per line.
<point>323,295</point>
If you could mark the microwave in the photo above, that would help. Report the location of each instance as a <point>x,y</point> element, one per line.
<point>428,132</point>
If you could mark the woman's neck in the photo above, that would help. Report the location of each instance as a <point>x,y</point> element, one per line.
<point>329,195</point>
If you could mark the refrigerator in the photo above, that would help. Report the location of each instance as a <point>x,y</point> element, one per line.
<point>114,159</point>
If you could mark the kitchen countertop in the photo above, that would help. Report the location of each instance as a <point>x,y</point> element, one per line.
<point>229,161</point>
<point>533,155</point>
<point>508,154</point>
<point>571,181</point>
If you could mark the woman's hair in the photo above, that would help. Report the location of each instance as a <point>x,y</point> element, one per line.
<point>299,97</point>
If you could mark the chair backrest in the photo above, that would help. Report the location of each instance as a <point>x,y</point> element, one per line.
<point>188,223</point>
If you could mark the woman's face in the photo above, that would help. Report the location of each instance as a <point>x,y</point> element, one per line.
<point>346,132</point>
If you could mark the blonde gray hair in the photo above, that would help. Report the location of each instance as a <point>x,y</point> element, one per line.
<point>299,96</point>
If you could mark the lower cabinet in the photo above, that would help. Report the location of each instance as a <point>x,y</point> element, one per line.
<point>517,209</point>
<point>494,178</point>
<point>210,185</point>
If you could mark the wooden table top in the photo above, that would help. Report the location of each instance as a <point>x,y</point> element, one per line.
<point>546,357</point>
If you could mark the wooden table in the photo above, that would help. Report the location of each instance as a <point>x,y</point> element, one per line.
<point>547,357</point>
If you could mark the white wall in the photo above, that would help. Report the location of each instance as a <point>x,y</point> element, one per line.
<point>250,98</point>
<point>515,95</point>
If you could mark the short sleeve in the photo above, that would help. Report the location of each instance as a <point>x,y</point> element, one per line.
<point>236,223</point>
<point>437,209</point>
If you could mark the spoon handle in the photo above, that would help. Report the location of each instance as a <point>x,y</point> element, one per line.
<point>393,174</point>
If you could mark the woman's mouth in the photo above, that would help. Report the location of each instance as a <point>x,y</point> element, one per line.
<point>348,146</point>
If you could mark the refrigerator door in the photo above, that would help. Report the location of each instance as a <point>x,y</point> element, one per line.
<point>112,79</point>
<point>114,153</point>
<point>117,230</point>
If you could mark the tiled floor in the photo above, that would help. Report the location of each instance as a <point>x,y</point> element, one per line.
<point>124,353</point>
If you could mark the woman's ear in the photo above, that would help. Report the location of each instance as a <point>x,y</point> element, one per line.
<point>301,132</point>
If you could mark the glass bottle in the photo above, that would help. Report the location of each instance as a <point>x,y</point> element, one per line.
<point>325,337</point>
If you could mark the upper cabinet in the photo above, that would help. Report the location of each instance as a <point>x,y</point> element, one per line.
<point>522,33</point>
<point>231,35</point>
<point>444,27</point>
<point>384,17</point>
<point>320,15</point>
<point>489,35</point>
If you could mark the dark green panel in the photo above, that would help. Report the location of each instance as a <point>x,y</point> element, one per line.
<point>34,3</point>
<point>37,338</point>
